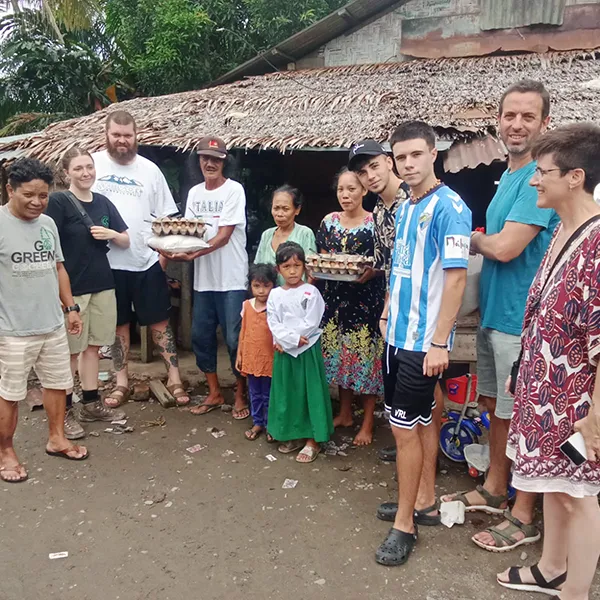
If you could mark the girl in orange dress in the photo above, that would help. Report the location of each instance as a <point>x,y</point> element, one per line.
<point>255,348</point>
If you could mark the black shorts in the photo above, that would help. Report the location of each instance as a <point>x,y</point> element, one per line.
<point>145,292</point>
<point>409,395</point>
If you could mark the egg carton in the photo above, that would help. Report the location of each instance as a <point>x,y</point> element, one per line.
<point>339,264</point>
<point>178,226</point>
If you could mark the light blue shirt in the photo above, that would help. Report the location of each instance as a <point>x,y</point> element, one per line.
<point>432,235</point>
<point>503,287</point>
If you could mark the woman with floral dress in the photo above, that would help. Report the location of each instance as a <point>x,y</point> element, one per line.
<point>558,385</point>
<point>352,343</point>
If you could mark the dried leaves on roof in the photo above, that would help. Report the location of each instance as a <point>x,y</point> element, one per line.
<point>334,107</point>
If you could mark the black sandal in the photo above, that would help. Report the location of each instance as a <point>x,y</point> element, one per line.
<point>387,512</point>
<point>396,548</point>
<point>550,588</point>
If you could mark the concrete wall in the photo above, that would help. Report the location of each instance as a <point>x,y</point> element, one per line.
<point>450,28</point>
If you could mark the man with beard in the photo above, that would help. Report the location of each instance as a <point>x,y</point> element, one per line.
<point>140,192</point>
<point>517,236</point>
<point>220,272</point>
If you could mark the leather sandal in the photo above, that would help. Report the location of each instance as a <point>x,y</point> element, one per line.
<point>396,548</point>
<point>178,391</point>
<point>119,400</point>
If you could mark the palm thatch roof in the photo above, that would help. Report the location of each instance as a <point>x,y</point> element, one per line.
<point>334,107</point>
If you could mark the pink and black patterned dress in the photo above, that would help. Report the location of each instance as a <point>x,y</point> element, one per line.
<point>561,347</point>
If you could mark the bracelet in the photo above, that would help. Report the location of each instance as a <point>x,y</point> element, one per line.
<point>440,346</point>
<point>382,319</point>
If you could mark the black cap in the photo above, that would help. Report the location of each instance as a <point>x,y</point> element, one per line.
<point>364,148</point>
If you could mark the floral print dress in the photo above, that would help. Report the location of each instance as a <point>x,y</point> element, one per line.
<point>561,348</point>
<point>351,341</point>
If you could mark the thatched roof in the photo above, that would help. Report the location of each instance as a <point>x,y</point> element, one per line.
<point>334,107</point>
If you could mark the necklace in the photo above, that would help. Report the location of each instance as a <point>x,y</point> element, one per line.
<point>414,200</point>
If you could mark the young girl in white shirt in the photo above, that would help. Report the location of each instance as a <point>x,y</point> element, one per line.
<point>300,405</point>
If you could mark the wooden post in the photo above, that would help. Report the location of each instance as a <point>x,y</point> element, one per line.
<point>185,307</point>
<point>146,344</point>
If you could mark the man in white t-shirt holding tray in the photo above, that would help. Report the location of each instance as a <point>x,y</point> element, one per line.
<point>139,190</point>
<point>220,271</point>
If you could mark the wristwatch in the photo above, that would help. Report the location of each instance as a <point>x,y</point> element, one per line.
<point>74,308</point>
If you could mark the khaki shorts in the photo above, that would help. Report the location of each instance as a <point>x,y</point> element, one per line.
<point>99,318</point>
<point>48,354</point>
<point>496,353</point>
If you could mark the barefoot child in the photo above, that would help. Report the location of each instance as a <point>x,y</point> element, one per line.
<point>300,407</point>
<point>255,347</point>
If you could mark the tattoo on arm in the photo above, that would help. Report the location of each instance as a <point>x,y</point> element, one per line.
<point>165,344</point>
<point>118,353</point>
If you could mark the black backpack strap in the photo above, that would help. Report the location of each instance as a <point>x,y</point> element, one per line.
<point>78,206</point>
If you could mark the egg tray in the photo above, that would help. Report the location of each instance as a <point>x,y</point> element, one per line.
<point>338,264</point>
<point>178,226</point>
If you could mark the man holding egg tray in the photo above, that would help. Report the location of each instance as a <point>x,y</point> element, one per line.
<point>220,271</point>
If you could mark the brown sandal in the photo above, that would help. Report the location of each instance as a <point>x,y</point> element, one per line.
<point>178,391</point>
<point>119,400</point>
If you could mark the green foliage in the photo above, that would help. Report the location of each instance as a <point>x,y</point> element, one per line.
<point>41,74</point>
<point>162,41</point>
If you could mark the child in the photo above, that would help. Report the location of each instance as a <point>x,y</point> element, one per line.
<point>255,348</point>
<point>300,407</point>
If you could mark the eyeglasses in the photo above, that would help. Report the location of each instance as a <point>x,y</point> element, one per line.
<point>541,172</point>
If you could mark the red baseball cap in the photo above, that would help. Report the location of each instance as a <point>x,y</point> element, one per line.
<point>212,146</point>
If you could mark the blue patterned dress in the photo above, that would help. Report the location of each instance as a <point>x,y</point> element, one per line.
<point>351,341</point>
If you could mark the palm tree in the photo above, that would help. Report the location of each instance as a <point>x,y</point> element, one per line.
<point>72,14</point>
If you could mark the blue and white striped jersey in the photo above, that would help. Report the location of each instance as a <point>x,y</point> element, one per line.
<point>432,235</point>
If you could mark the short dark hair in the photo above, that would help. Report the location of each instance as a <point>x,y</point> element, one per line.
<point>294,193</point>
<point>25,170</point>
<point>120,117</point>
<point>263,273</point>
<point>573,146</point>
<point>413,130</point>
<point>525,86</point>
<point>289,250</point>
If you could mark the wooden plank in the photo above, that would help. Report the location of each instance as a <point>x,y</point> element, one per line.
<point>160,392</point>
<point>146,344</point>
<point>185,307</point>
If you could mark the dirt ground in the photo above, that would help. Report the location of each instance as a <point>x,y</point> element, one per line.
<point>145,519</point>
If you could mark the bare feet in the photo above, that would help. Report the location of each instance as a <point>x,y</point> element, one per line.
<point>343,421</point>
<point>364,437</point>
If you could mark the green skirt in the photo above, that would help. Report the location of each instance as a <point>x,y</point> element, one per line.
<point>300,404</point>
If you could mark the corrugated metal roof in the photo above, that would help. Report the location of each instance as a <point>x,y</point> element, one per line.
<point>507,14</point>
<point>306,41</point>
<point>470,154</point>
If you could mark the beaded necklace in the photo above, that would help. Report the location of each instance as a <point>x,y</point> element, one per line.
<point>414,200</point>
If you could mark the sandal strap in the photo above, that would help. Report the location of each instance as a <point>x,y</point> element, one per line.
<point>543,583</point>
<point>118,388</point>
<point>491,500</point>
<point>529,530</point>
<point>514,575</point>
<point>425,511</point>
<point>503,537</point>
<point>177,390</point>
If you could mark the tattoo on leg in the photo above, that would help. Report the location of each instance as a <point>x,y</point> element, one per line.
<point>118,353</point>
<point>165,344</point>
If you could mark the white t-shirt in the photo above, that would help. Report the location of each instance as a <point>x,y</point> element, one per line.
<point>225,269</point>
<point>140,193</point>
